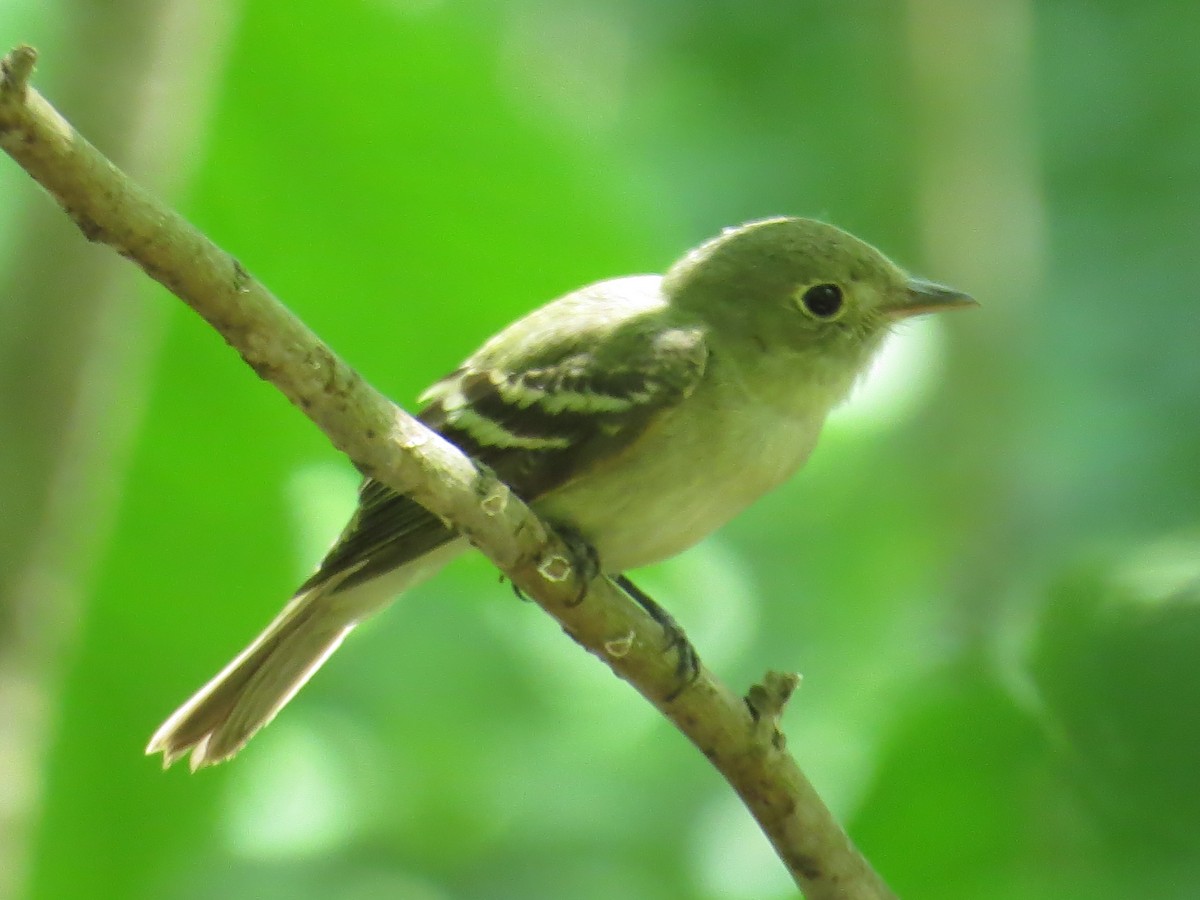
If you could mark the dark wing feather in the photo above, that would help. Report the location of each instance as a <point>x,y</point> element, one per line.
<point>536,425</point>
<point>631,395</point>
<point>386,531</point>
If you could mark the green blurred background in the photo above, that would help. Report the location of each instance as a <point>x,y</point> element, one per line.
<point>989,574</point>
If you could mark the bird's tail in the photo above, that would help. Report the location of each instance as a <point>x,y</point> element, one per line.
<point>223,715</point>
<point>244,696</point>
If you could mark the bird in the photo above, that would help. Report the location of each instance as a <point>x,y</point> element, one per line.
<point>639,414</point>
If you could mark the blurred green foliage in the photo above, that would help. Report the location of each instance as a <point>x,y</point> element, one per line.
<point>989,574</point>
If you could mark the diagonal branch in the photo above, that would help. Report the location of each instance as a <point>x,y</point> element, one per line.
<point>739,736</point>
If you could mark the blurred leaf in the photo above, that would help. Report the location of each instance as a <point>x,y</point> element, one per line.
<point>958,789</point>
<point>1117,666</point>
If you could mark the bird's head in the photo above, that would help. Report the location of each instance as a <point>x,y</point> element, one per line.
<point>797,287</point>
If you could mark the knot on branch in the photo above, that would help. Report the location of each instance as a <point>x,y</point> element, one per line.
<point>15,70</point>
<point>766,701</point>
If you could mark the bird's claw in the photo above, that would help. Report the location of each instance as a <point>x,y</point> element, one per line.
<point>585,561</point>
<point>687,666</point>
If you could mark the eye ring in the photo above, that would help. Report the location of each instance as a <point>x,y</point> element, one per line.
<point>823,301</point>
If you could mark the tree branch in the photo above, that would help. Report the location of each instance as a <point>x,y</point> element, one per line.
<point>740,737</point>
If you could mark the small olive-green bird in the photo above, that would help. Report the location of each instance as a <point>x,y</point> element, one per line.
<point>640,414</point>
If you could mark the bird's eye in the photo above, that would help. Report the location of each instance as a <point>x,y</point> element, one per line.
<point>823,301</point>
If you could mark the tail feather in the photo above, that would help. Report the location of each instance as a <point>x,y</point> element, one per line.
<point>223,715</point>
<point>244,696</point>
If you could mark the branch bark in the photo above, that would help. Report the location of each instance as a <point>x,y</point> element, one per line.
<point>739,736</point>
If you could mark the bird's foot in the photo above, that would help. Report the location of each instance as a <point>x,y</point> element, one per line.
<point>687,667</point>
<point>520,594</point>
<point>584,561</point>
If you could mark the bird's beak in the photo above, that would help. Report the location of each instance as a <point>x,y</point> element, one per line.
<point>926,297</point>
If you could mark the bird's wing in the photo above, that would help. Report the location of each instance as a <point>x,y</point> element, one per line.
<point>387,530</point>
<point>540,426</point>
<point>537,407</point>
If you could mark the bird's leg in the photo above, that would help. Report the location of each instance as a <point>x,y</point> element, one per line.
<point>584,561</point>
<point>688,665</point>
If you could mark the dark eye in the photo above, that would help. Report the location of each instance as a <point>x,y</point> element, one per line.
<point>823,300</point>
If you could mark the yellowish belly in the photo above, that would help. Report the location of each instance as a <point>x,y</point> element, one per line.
<point>684,479</point>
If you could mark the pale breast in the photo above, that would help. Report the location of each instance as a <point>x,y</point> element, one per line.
<point>693,471</point>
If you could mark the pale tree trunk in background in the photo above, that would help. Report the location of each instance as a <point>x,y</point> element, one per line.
<point>75,337</point>
<point>980,194</point>
<point>982,218</point>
